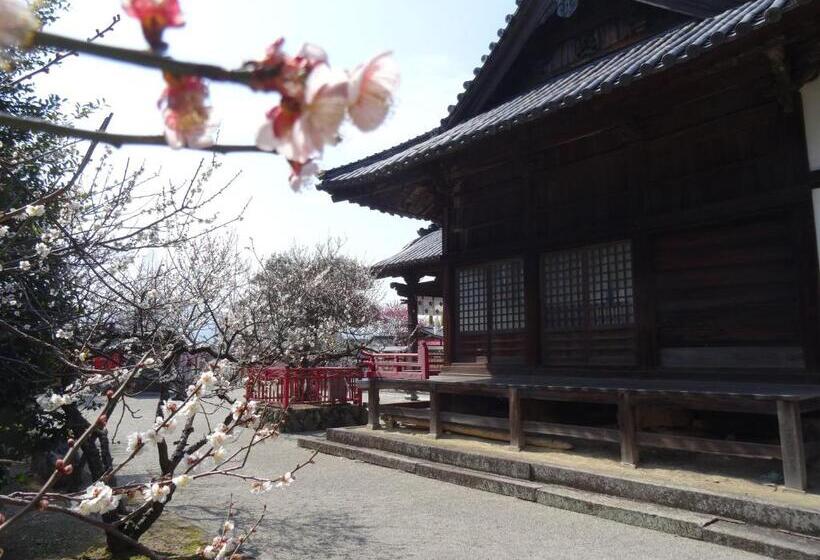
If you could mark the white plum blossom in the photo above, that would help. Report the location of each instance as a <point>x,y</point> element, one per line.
<point>243,411</point>
<point>207,379</point>
<point>65,334</point>
<point>156,492</point>
<point>168,426</point>
<point>135,443</point>
<point>42,250</point>
<point>4,231</point>
<point>54,401</point>
<point>98,498</point>
<point>35,210</point>
<point>182,480</point>
<point>287,480</point>
<point>219,454</point>
<point>16,22</point>
<point>151,436</point>
<point>228,526</point>
<point>371,90</point>
<point>218,437</point>
<point>261,486</point>
<point>25,265</point>
<point>192,460</point>
<point>189,408</point>
<point>195,391</point>
<point>169,407</point>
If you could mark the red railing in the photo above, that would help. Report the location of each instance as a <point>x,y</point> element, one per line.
<point>405,365</point>
<point>283,386</point>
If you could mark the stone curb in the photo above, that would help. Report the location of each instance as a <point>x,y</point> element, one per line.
<point>757,512</point>
<point>699,526</point>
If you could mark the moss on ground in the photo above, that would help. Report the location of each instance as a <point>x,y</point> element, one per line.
<point>172,537</point>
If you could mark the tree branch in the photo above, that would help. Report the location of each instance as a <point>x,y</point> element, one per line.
<point>150,60</point>
<point>116,140</point>
<point>59,57</point>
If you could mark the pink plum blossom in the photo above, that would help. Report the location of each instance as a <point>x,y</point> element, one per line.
<point>186,112</point>
<point>371,91</point>
<point>155,16</point>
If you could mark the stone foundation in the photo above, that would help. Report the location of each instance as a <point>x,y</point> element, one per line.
<point>309,418</point>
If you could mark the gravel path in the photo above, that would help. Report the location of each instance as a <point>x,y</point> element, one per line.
<point>346,509</point>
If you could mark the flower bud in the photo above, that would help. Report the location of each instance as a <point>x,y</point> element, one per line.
<point>109,394</point>
<point>71,442</point>
<point>42,505</point>
<point>59,464</point>
<point>101,421</point>
<point>68,469</point>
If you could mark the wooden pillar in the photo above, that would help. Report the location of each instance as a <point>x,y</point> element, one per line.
<point>532,278</point>
<point>412,281</point>
<point>435,412</point>
<point>628,432</point>
<point>448,284</point>
<point>791,445</point>
<point>373,404</point>
<point>517,440</point>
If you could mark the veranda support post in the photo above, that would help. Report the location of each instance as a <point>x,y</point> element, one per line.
<point>435,412</point>
<point>791,444</point>
<point>373,403</point>
<point>628,431</point>
<point>517,440</point>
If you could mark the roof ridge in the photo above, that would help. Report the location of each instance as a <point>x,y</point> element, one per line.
<point>488,59</point>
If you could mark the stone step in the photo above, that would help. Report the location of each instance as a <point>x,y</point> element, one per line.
<point>749,510</point>
<point>769,542</point>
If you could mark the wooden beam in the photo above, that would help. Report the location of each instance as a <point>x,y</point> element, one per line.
<point>373,404</point>
<point>435,413</point>
<point>517,439</point>
<point>792,445</point>
<point>626,425</point>
<point>712,446</point>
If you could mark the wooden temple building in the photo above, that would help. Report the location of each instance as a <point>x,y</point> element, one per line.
<point>626,195</point>
<point>419,259</point>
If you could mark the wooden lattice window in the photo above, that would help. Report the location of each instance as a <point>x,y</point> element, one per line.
<point>508,295</point>
<point>472,300</point>
<point>610,285</point>
<point>493,291</point>
<point>590,287</point>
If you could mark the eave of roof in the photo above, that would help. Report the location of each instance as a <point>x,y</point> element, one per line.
<point>618,69</point>
<point>423,250</point>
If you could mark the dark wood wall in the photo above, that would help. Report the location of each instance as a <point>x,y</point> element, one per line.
<point>704,173</point>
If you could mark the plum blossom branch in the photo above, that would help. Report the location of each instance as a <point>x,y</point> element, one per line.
<point>116,140</point>
<point>149,59</point>
<point>64,465</point>
<point>60,56</point>
<point>107,527</point>
<point>7,216</point>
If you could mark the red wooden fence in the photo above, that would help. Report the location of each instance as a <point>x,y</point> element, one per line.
<point>405,365</point>
<point>283,386</point>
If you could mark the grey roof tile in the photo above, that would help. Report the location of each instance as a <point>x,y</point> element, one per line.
<point>422,250</point>
<point>598,77</point>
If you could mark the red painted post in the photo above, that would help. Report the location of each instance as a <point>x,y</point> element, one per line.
<point>286,389</point>
<point>424,360</point>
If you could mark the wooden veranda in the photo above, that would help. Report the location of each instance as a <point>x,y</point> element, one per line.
<point>786,402</point>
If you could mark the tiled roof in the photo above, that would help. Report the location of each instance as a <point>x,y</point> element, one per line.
<point>422,250</point>
<point>598,77</point>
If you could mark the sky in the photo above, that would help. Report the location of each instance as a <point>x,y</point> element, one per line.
<point>437,43</point>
